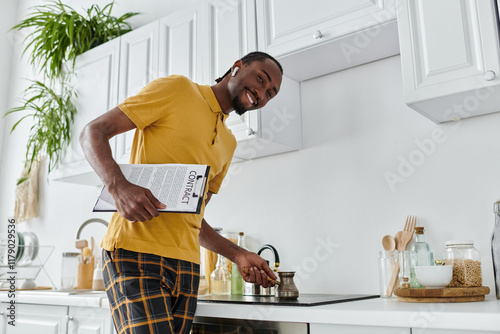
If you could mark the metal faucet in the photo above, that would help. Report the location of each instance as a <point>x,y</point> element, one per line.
<point>275,252</point>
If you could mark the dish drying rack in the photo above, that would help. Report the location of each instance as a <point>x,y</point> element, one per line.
<point>25,267</point>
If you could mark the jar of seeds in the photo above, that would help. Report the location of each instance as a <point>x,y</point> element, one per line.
<point>466,263</point>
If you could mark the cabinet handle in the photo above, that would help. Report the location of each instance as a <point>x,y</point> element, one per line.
<point>489,75</point>
<point>317,34</point>
<point>250,132</point>
<point>2,313</point>
<point>69,318</point>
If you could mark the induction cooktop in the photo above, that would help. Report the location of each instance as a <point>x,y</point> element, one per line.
<point>303,300</point>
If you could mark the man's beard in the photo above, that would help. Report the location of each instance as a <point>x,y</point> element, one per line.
<point>238,107</point>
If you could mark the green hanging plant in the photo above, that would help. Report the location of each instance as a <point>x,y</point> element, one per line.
<point>52,116</point>
<point>61,34</point>
<point>58,34</point>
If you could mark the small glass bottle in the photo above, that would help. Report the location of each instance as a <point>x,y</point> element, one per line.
<point>466,262</point>
<point>421,254</point>
<point>220,279</point>
<point>404,266</point>
<point>495,248</point>
<point>236,279</point>
<point>247,288</point>
<point>405,284</point>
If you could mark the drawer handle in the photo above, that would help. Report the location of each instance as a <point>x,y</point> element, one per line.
<point>489,75</point>
<point>250,132</point>
<point>317,34</point>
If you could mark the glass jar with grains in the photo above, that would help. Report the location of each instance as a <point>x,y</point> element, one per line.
<point>466,262</point>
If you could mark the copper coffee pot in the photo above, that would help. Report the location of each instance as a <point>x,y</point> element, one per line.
<point>287,288</point>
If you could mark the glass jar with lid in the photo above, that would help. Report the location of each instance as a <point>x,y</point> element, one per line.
<point>466,262</point>
<point>69,272</point>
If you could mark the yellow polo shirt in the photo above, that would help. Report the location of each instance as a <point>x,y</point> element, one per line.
<point>178,121</point>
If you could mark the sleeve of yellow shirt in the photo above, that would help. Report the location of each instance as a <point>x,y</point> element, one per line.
<point>150,104</point>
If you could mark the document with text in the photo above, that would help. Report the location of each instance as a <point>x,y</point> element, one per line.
<point>180,187</point>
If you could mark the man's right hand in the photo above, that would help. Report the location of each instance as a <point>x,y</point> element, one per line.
<point>132,202</point>
<point>135,203</point>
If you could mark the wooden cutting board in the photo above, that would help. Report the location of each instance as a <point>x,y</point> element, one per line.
<point>445,295</point>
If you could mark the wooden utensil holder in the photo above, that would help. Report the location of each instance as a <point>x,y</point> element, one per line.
<point>85,274</point>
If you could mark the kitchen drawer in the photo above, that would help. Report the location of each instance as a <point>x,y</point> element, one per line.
<point>348,329</point>
<point>214,325</point>
<point>447,331</point>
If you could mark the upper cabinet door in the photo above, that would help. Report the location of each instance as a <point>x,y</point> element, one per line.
<point>138,59</point>
<point>138,66</point>
<point>288,27</point>
<point>180,40</point>
<point>232,35</point>
<point>450,55</point>
<point>96,82</point>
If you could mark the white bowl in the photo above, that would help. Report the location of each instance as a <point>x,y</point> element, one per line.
<point>434,277</point>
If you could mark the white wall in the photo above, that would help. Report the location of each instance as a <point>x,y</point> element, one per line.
<point>356,128</point>
<point>8,15</point>
<point>325,207</point>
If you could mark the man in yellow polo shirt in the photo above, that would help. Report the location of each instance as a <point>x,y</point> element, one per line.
<point>151,259</point>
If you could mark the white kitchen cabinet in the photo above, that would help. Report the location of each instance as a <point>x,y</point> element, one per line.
<point>447,331</point>
<point>232,35</point>
<point>96,82</point>
<point>3,319</point>
<point>89,320</point>
<point>139,65</point>
<point>277,127</point>
<point>181,38</point>
<point>450,54</point>
<point>316,37</point>
<point>42,319</point>
<point>347,329</point>
<point>201,42</point>
<point>171,45</point>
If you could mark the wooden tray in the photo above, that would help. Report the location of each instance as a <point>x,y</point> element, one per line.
<point>445,295</point>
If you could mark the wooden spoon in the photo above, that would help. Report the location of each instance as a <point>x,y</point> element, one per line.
<point>397,239</point>
<point>402,238</point>
<point>389,243</point>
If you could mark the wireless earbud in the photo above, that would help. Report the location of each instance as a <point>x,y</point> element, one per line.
<point>235,70</point>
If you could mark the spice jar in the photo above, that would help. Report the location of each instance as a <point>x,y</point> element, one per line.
<point>405,284</point>
<point>466,262</point>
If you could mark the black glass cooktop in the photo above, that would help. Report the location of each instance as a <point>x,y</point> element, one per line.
<point>303,300</point>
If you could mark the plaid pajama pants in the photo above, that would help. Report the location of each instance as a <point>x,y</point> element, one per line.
<point>149,293</point>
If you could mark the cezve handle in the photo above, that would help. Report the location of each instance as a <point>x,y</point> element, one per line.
<point>245,270</point>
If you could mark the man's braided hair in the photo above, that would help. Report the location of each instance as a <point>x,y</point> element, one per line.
<point>251,57</point>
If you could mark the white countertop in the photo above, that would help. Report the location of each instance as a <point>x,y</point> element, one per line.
<point>484,315</point>
<point>54,297</point>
